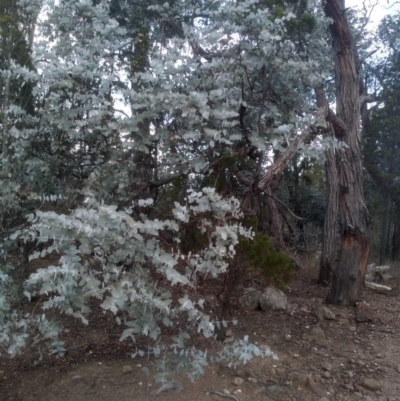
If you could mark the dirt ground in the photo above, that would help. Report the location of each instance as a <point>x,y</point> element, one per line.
<point>354,357</point>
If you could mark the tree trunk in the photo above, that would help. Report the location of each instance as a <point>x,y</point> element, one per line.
<point>329,234</point>
<point>354,217</point>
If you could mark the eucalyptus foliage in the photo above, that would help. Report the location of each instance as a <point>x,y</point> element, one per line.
<point>85,174</point>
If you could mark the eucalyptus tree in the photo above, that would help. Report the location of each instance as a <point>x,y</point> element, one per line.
<point>224,85</point>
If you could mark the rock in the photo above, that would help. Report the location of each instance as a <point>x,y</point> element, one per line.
<point>326,366</point>
<point>274,389</point>
<point>77,377</point>
<point>371,384</point>
<point>371,268</point>
<point>381,269</point>
<point>299,378</point>
<point>264,347</point>
<point>250,299</point>
<point>364,312</point>
<point>326,375</point>
<point>280,371</point>
<point>127,369</point>
<point>273,299</point>
<point>238,381</point>
<point>312,385</point>
<point>398,368</point>
<point>317,332</point>
<point>377,287</point>
<point>229,333</point>
<point>325,313</point>
<point>323,399</point>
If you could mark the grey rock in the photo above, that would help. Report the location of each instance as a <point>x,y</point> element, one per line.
<point>326,366</point>
<point>273,299</point>
<point>238,381</point>
<point>368,398</point>
<point>250,299</point>
<point>323,399</point>
<point>326,375</point>
<point>364,312</point>
<point>264,347</point>
<point>280,371</point>
<point>371,268</point>
<point>127,369</point>
<point>77,377</point>
<point>300,378</point>
<point>317,332</point>
<point>274,389</point>
<point>349,386</point>
<point>371,384</point>
<point>325,313</point>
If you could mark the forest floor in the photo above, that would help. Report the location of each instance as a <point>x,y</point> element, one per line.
<point>349,358</point>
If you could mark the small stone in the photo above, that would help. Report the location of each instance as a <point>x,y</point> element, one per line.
<point>327,375</point>
<point>274,389</point>
<point>127,369</point>
<point>350,373</point>
<point>238,381</point>
<point>371,384</point>
<point>229,333</point>
<point>326,366</point>
<point>349,387</point>
<point>273,299</point>
<point>325,313</point>
<point>300,378</point>
<point>312,385</point>
<point>253,380</point>
<point>250,299</point>
<point>264,347</point>
<point>323,399</point>
<point>280,371</point>
<point>368,398</point>
<point>364,312</point>
<point>273,371</point>
<point>317,332</point>
<point>77,377</point>
<point>398,368</point>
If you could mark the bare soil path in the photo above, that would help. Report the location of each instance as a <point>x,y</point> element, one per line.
<point>341,359</point>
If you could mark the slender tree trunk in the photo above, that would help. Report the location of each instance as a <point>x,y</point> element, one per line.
<point>354,217</point>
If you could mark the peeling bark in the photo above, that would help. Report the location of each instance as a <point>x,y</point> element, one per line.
<point>354,218</point>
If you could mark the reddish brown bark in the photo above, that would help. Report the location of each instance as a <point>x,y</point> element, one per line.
<point>354,217</point>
